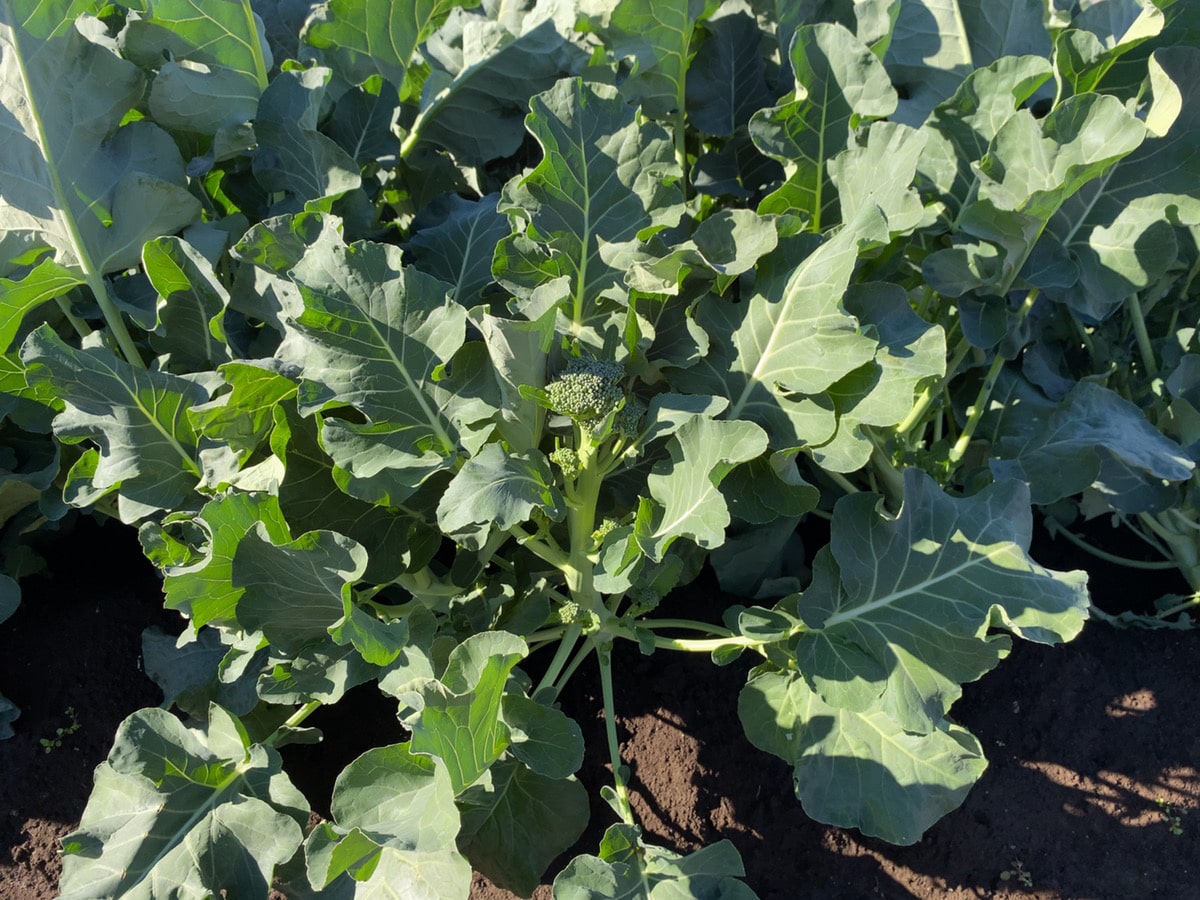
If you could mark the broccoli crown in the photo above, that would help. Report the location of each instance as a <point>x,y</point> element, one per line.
<point>587,390</point>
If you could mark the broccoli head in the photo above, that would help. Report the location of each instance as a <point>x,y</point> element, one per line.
<point>567,459</point>
<point>589,389</point>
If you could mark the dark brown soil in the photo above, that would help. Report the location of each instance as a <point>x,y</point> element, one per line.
<point>1094,752</point>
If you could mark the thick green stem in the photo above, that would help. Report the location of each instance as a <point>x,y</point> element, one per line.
<point>979,407</point>
<point>1106,556</point>
<point>293,721</point>
<point>561,655</point>
<point>705,645</point>
<point>1143,337</point>
<point>610,728</point>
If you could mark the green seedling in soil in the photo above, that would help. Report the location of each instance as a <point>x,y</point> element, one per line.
<point>51,744</point>
<point>1172,815</point>
<point>1017,872</point>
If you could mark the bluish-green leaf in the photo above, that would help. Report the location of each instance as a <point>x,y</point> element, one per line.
<point>136,417</point>
<point>394,830</point>
<point>860,769</point>
<point>71,177</point>
<point>840,84</point>
<point>198,812</point>
<point>457,718</point>
<point>294,591</point>
<point>516,822</point>
<point>603,179</point>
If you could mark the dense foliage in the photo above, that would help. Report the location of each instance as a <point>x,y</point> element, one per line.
<point>431,345</point>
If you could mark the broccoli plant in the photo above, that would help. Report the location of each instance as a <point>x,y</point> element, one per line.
<point>442,363</point>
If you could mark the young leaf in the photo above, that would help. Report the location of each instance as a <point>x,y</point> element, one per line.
<point>378,336</point>
<point>790,337</point>
<point>501,488</point>
<point>840,83</point>
<point>659,41</point>
<point>602,181</point>
<point>457,718</point>
<point>292,156</point>
<point>686,494</point>
<point>295,591</point>
<point>935,44</point>
<point>376,38</point>
<point>628,868</point>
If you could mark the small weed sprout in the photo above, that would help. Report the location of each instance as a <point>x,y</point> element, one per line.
<point>1172,815</point>
<point>1018,872</point>
<point>49,744</point>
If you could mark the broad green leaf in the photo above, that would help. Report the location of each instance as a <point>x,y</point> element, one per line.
<point>657,42</point>
<point>1033,166</point>
<point>726,244</point>
<point>899,610</point>
<point>136,418</point>
<point>454,240</point>
<point>322,671</point>
<point>376,37</point>
<point>937,43</point>
<point>501,488</point>
<point>17,298</point>
<point>242,418</point>
<point>543,738</point>
<point>362,124</point>
<point>726,80</point>
<point>1118,232</point>
<point>883,391</point>
<point>687,500</point>
<point>457,718</point>
<point>1060,449</point>
<point>196,670</point>
<point>211,61</point>
<point>960,129</point>
<point>292,157</point>
<point>200,583</point>
<point>72,178</point>
<point>767,488</point>
<point>860,769</point>
<point>394,829</point>
<point>790,339</point>
<point>474,103</point>
<point>603,180</point>
<point>191,813</point>
<point>840,84</point>
<point>885,146</point>
<point>518,821</point>
<point>630,869</point>
<point>311,499</point>
<point>191,305</point>
<point>1099,35</point>
<point>516,350</point>
<point>294,591</point>
<point>379,336</point>
<point>1031,169</point>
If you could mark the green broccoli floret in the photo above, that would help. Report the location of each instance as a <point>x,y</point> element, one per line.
<point>589,389</point>
<point>628,420</point>
<point>567,459</point>
<point>607,526</point>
